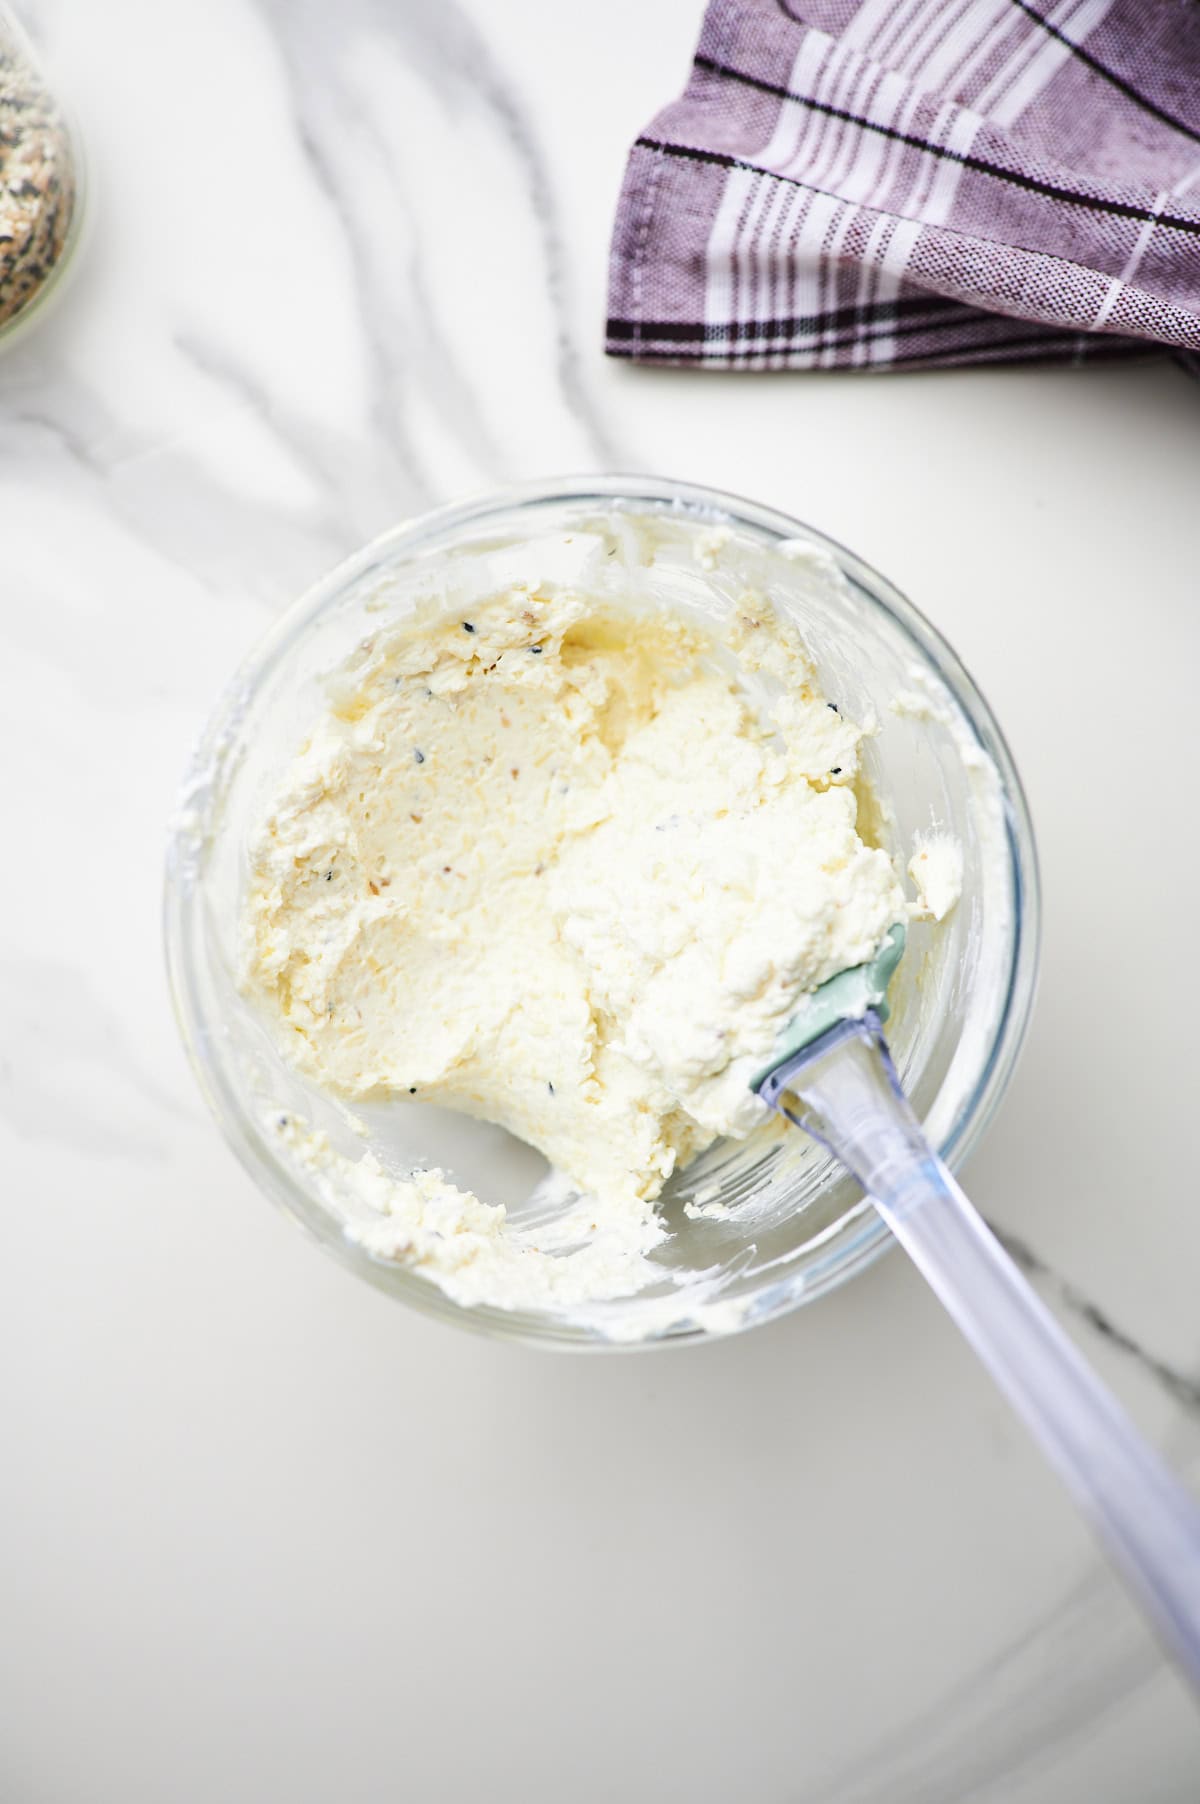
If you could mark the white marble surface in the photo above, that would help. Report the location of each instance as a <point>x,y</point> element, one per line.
<point>262,1533</point>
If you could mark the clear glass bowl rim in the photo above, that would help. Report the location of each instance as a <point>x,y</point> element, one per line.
<point>710,506</point>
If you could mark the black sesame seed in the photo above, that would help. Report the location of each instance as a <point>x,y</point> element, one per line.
<point>467,627</point>
<point>550,1087</point>
<point>329,876</point>
<point>283,1121</point>
<point>836,771</point>
<point>834,706</point>
<point>419,757</point>
<point>412,1089</point>
<point>536,650</point>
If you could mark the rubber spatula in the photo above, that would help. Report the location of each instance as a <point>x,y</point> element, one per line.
<point>833,1076</point>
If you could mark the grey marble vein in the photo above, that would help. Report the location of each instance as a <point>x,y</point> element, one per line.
<point>1081,1656</point>
<point>1068,1667</point>
<point>455,59</point>
<point>1084,1655</point>
<point>474,57</point>
<point>1183,1387</point>
<point>380,325</point>
<point>173,501</point>
<point>344,515</point>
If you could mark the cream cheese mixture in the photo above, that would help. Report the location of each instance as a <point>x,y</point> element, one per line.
<point>561,866</point>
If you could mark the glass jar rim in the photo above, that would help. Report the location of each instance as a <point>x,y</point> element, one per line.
<point>52,290</point>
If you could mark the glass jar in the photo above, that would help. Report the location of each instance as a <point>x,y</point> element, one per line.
<point>41,185</point>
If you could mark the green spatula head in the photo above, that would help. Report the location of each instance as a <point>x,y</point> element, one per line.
<point>846,997</point>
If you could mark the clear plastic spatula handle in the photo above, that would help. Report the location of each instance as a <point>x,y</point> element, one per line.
<point>844,1091</point>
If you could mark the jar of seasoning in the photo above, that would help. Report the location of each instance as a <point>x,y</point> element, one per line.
<point>40,183</point>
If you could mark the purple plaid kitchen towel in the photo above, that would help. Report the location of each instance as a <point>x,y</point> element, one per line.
<point>899,183</point>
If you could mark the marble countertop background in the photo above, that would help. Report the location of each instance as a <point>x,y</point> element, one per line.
<point>262,1533</point>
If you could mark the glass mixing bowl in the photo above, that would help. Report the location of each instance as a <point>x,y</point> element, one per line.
<point>757,1226</point>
